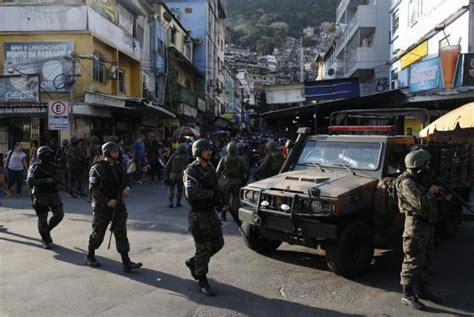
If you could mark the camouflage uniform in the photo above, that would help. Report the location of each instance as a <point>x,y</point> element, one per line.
<point>61,161</point>
<point>273,161</point>
<point>418,204</point>
<point>233,168</point>
<point>107,180</point>
<point>202,191</point>
<point>245,157</point>
<point>174,171</point>
<point>93,150</point>
<point>76,159</point>
<point>45,197</point>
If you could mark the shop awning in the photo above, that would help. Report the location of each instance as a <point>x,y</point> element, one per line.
<point>148,108</point>
<point>462,117</point>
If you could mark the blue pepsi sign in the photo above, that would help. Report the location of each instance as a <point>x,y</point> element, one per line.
<point>332,89</point>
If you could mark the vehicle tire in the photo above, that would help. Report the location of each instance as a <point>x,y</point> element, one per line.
<point>352,253</point>
<point>256,241</point>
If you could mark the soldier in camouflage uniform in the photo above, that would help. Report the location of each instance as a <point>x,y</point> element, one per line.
<point>61,161</point>
<point>42,180</point>
<point>417,199</point>
<point>233,168</point>
<point>108,187</point>
<point>93,150</point>
<point>241,147</point>
<point>76,159</point>
<point>273,161</point>
<point>174,173</point>
<point>204,195</point>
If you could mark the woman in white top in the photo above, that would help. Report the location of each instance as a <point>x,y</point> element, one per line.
<point>16,163</point>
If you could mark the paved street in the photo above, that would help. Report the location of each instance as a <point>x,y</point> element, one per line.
<point>292,282</point>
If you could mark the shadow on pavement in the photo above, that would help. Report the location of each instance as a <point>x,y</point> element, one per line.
<point>309,260</point>
<point>230,297</point>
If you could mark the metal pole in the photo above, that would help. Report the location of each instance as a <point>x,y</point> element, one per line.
<point>301,61</point>
<point>71,95</point>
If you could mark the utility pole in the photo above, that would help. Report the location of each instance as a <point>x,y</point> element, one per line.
<point>301,60</point>
<point>71,94</point>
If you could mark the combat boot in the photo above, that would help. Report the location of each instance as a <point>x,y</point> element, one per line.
<point>178,204</point>
<point>190,264</point>
<point>205,288</point>
<point>224,216</point>
<point>410,299</point>
<point>171,204</point>
<point>91,260</point>
<point>425,293</point>
<point>128,265</point>
<point>46,240</point>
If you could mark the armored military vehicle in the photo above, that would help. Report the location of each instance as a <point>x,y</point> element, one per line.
<point>330,194</point>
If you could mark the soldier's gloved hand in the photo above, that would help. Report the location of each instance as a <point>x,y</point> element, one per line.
<point>436,190</point>
<point>112,203</point>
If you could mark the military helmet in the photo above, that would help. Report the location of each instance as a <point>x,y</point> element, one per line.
<point>65,142</point>
<point>114,139</point>
<point>241,148</point>
<point>109,147</point>
<point>183,148</point>
<point>231,148</point>
<point>74,140</point>
<point>417,159</point>
<point>43,150</point>
<point>271,145</point>
<point>201,145</point>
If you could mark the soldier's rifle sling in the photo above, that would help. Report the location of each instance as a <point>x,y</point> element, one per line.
<point>61,182</point>
<point>119,198</point>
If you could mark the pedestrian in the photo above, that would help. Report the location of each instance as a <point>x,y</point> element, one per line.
<point>76,160</point>
<point>242,151</point>
<point>3,176</point>
<point>139,157</point>
<point>418,199</point>
<point>204,194</point>
<point>16,164</point>
<point>33,151</point>
<point>42,179</point>
<point>61,161</point>
<point>272,162</point>
<point>233,168</point>
<point>93,150</point>
<point>174,173</point>
<point>108,185</point>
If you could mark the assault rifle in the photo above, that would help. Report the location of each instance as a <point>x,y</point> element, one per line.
<point>445,188</point>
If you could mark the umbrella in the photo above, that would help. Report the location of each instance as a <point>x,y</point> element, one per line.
<point>186,131</point>
<point>462,117</point>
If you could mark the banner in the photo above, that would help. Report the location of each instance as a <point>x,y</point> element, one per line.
<point>58,115</point>
<point>51,60</point>
<point>18,88</point>
<point>106,8</point>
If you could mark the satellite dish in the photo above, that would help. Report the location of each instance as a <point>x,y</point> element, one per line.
<point>331,71</point>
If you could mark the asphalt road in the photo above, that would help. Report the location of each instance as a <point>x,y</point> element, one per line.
<point>294,281</point>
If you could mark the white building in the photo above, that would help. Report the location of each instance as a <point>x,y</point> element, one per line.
<point>421,28</point>
<point>362,48</point>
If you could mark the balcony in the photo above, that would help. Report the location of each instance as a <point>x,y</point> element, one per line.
<point>365,17</point>
<point>360,58</point>
<point>186,95</point>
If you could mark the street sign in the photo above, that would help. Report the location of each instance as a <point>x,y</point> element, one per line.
<point>58,115</point>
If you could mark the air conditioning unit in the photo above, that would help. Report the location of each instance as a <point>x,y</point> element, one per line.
<point>188,39</point>
<point>394,84</point>
<point>197,41</point>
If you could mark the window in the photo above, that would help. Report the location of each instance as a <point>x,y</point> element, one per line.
<point>121,81</point>
<point>414,12</point>
<point>395,22</point>
<point>173,35</point>
<point>98,71</point>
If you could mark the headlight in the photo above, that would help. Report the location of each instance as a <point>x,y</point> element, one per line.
<point>250,196</point>
<point>322,207</point>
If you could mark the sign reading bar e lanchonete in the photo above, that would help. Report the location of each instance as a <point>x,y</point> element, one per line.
<point>18,88</point>
<point>51,60</point>
<point>58,115</point>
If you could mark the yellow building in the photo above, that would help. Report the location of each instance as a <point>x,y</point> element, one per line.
<point>107,44</point>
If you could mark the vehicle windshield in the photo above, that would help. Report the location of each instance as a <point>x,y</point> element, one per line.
<point>356,155</point>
